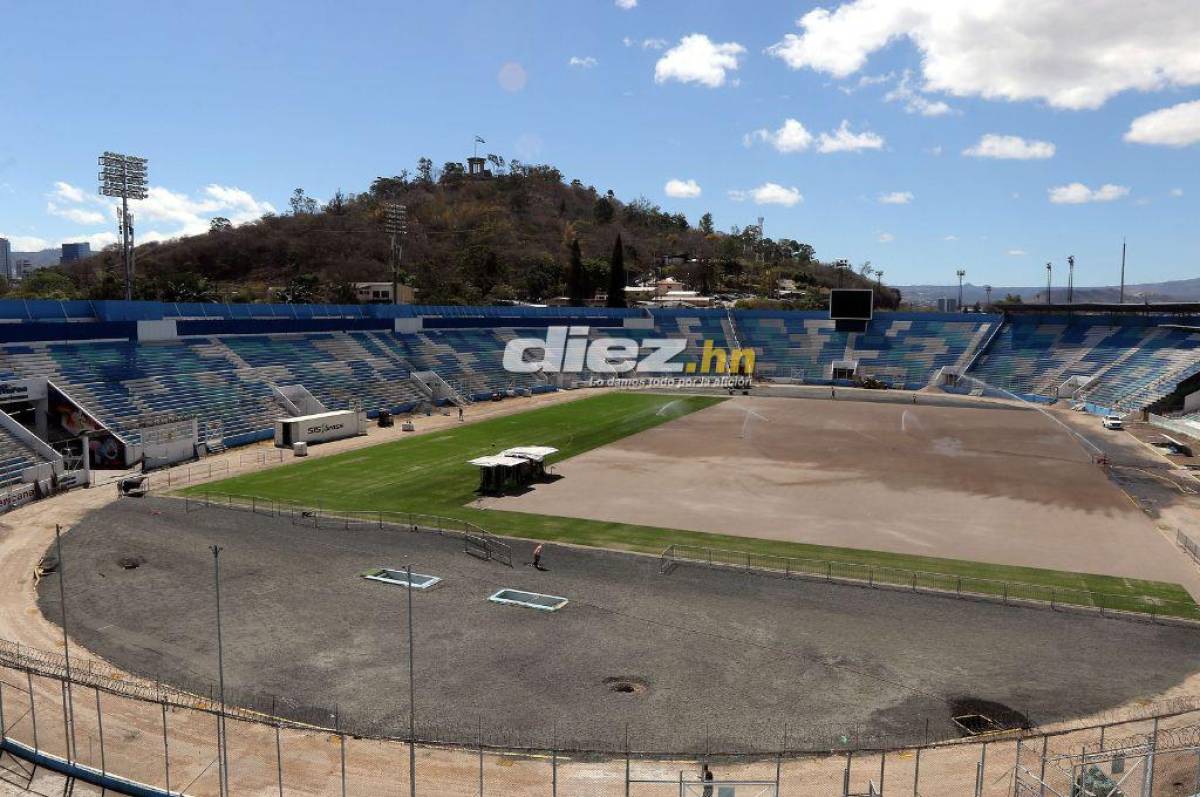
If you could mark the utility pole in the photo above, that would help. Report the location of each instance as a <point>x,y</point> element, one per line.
<point>124,176</point>
<point>396,223</point>
<point>223,739</point>
<point>1070,278</point>
<point>987,290</point>
<point>1049,269</point>
<point>1122,299</point>
<point>961,273</point>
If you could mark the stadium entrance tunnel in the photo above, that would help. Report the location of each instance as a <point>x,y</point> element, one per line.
<point>974,717</point>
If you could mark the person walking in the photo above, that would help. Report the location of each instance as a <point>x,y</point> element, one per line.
<point>537,557</point>
<point>706,776</point>
<point>460,413</point>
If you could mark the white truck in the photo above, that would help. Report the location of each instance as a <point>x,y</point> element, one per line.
<point>1112,422</point>
<point>320,427</point>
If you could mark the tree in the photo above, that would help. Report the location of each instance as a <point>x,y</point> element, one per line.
<point>46,283</point>
<point>603,211</point>
<point>301,290</point>
<point>189,287</point>
<point>301,203</point>
<point>576,278</point>
<point>425,170</point>
<point>220,224</point>
<point>616,275</point>
<point>706,224</point>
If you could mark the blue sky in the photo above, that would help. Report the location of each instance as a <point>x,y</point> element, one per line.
<point>1084,117</point>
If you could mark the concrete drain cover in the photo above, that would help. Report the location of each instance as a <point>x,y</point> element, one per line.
<point>627,686</point>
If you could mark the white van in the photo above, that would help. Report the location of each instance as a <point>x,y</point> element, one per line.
<point>1112,422</point>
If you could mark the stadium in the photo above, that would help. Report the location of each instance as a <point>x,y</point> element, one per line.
<point>904,557</point>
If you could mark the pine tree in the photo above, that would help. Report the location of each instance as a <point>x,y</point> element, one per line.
<point>616,275</point>
<point>576,278</point>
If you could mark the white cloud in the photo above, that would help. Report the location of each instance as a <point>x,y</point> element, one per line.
<point>886,238</point>
<point>769,194</point>
<point>1016,253</point>
<point>1177,126</point>
<point>586,62</point>
<point>935,150</point>
<point>698,59</point>
<point>682,189</point>
<point>69,193</point>
<point>896,198</point>
<point>626,4</point>
<point>654,44</point>
<point>950,238</point>
<point>1177,192</point>
<point>991,145</point>
<point>1070,54</point>
<point>162,215</point>
<point>1078,193</point>
<point>77,215</point>
<point>25,243</point>
<point>914,101</point>
<point>844,140</point>
<point>791,137</point>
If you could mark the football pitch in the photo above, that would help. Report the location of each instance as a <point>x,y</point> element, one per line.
<point>429,474</point>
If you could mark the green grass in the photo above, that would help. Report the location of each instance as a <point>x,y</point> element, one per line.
<point>428,474</point>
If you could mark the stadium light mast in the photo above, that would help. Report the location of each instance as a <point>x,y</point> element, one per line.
<point>396,223</point>
<point>1049,271</point>
<point>1122,295</point>
<point>987,290</point>
<point>124,176</point>
<point>960,273</point>
<point>1070,278</point>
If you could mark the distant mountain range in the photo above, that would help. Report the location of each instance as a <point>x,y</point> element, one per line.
<point>46,257</point>
<point>1173,291</point>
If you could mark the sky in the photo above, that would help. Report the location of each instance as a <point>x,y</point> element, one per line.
<point>922,135</point>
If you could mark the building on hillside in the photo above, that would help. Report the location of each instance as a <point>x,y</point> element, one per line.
<point>381,293</point>
<point>72,252</point>
<point>6,264</point>
<point>947,304</point>
<point>21,268</point>
<point>477,168</point>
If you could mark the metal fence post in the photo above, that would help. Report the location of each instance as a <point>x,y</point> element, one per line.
<point>278,761</point>
<point>1042,771</point>
<point>1150,758</point>
<point>100,732</point>
<point>32,707</point>
<point>66,720</point>
<point>627,759</point>
<point>166,748</point>
<point>917,775</point>
<point>480,739</point>
<point>3,727</point>
<point>553,761</point>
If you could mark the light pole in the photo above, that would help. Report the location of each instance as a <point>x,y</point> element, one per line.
<point>221,738</point>
<point>1070,278</point>
<point>961,273</point>
<point>412,720</point>
<point>1049,270</point>
<point>987,291</point>
<point>124,176</point>
<point>396,223</point>
<point>69,708</point>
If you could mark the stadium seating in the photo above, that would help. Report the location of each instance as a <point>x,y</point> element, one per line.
<point>899,348</point>
<point>1132,361</point>
<point>15,457</point>
<point>227,360</point>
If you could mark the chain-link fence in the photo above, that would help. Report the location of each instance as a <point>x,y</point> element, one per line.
<point>131,735</point>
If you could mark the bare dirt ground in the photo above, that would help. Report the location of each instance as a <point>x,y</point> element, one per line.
<point>1003,485</point>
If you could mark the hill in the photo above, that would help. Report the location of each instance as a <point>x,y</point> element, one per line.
<point>1187,290</point>
<point>470,240</point>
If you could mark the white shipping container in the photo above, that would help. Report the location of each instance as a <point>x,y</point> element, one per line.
<point>319,428</point>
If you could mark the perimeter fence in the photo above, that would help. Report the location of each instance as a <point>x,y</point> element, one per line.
<point>135,736</point>
<point>1130,606</point>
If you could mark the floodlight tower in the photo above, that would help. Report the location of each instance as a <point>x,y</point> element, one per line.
<point>124,176</point>
<point>396,223</point>
<point>960,273</point>
<point>1049,271</point>
<point>1070,278</point>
